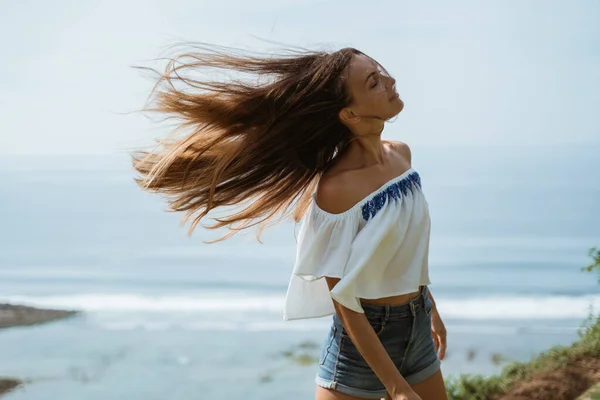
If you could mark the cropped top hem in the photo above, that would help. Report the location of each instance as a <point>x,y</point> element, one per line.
<point>356,304</point>
<point>361,309</point>
<point>288,318</point>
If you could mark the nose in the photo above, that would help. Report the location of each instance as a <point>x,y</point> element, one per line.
<point>393,81</point>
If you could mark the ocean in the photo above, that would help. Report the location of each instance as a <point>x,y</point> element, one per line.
<point>166,316</point>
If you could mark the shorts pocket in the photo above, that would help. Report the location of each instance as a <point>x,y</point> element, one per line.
<point>327,344</point>
<point>377,323</point>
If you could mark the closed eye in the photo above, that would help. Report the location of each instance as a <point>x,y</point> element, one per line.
<point>377,80</point>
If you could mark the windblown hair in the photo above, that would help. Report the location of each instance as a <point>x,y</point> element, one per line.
<point>258,146</point>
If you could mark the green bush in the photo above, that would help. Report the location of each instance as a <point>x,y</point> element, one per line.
<point>595,265</point>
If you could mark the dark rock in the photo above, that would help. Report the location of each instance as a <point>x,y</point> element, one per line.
<point>8,384</point>
<point>13,315</point>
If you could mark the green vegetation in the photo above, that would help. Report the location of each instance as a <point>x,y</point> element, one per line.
<point>477,387</point>
<point>301,354</point>
<point>595,265</point>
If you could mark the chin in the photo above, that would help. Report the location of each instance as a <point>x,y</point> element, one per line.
<point>398,106</point>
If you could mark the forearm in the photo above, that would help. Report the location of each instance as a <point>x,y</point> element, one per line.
<point>370,347</point>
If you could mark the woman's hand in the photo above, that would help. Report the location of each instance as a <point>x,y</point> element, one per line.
<point>407,396</point>
<point>438,331</point>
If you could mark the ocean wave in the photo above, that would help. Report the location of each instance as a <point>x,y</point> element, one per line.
<point>475,308</point>
<point>135,303</point>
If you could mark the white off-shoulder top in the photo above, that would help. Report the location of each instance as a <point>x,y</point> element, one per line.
<point>378,248</point>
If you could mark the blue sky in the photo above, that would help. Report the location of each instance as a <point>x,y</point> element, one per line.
<point>470,72</point>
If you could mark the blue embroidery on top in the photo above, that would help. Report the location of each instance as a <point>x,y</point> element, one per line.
<point>393,192</point>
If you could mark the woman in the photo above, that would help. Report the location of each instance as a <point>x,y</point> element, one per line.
<point>307,140</point>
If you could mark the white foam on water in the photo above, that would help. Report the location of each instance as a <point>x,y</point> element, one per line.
<point>519,307</point>
<point>136,303</point>
<point>476,308</point>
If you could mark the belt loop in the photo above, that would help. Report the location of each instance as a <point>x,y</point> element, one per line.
<point>413,309</point>
<point>387,315</point>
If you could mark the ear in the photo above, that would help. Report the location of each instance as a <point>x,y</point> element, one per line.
<point>348,116</point>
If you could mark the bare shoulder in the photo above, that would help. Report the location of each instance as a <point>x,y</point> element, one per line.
<point>402,148</point>
<point>341,189</point>
<point>335,193</point>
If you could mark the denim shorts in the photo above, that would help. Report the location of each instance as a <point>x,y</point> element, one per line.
<point>404,331</point>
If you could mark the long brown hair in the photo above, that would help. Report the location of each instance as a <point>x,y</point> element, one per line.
<point>258,147</point>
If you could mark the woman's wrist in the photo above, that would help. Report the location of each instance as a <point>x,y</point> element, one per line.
<point>399,388</point>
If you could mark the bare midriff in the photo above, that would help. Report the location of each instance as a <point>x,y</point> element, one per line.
<point>393,300</point>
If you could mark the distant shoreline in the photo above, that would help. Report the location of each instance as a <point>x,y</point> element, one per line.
<point>6,385</point>
<point>12,315</point>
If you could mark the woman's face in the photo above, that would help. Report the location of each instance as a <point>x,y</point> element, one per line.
<point>372,90</point>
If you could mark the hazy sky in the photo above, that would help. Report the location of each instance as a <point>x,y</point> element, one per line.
<point>470,72</point>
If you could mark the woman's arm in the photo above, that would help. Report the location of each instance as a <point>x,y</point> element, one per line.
<point>438,330</point>
<point>368,344</point>
<point>432,300</point>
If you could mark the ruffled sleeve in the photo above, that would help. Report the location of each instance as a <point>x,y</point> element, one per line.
<point>324,246</point>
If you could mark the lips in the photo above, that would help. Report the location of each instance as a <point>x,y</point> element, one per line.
<point>394,96</point>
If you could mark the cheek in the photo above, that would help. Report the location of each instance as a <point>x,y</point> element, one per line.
<point>371,102</point>
<point>382,99</point>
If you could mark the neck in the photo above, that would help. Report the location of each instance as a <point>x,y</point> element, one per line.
<point>366,150</point>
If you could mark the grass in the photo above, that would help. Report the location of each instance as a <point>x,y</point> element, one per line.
<point>477,387</point>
